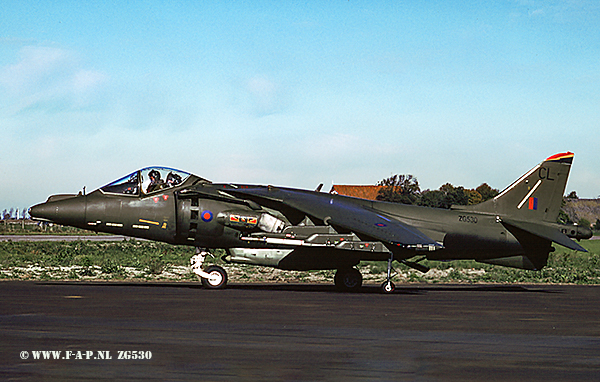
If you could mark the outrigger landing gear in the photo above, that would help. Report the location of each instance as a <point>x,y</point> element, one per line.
<point>388,286</point>
<point>214,277</point>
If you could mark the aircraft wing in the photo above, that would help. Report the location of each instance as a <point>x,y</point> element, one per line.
<point>344,213</point>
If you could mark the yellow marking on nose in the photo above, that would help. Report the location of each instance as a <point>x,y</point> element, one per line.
<point>148,222</point>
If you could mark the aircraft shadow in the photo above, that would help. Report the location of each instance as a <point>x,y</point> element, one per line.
<point>400,289</point>
<point>321,288</point>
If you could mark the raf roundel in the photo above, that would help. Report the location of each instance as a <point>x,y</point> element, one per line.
<point>206,216</point>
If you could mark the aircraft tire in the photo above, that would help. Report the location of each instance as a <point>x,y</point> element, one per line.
<point>218,278</point>
<point>388,287</point>
<point>349,279</point>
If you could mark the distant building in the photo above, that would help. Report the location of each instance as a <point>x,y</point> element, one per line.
<point>363,192</point>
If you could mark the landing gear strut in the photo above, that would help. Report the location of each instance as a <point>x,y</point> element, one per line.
<point>388,286</point>
<point>214,277</point>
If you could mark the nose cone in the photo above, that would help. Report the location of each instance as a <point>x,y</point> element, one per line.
<point>66,211</point>
<point>43,211</point>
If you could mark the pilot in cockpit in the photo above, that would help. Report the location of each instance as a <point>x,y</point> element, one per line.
<point>156,183</point>
<point>173,179</point>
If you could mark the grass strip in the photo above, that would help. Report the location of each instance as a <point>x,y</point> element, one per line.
<point>144,260</point>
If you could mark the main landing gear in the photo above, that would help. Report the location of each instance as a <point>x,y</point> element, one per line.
<point>214,277</point>
<point>350,279</point>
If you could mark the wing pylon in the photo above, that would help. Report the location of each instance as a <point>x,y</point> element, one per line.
<point>346,214</point>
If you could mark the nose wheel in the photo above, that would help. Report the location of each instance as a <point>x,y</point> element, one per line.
<point>214,277</point>
<point>217,277</point>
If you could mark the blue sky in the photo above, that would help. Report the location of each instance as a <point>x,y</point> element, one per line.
<point>296,93</point>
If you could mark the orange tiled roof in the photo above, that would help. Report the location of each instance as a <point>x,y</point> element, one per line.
<point>363,192</point>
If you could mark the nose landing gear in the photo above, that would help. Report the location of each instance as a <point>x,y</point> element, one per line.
<point>214,277</point>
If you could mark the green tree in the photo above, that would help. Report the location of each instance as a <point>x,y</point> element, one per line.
<point>432,198</point>
<point>454,195</point>
<point>572,195</point>
<point>445,197</point>
<point>405,189</point>
<point>563,218</point>
<point>486,192</point>
<point>399,189</point>
<point>474,197</point>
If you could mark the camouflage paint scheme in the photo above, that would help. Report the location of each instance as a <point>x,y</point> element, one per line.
<point>299,229</point>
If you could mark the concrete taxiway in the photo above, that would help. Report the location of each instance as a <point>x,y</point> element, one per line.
<point>286,332</point>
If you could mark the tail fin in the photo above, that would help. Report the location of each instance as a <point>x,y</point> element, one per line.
<point>531,204</point>
<point>537,195</point>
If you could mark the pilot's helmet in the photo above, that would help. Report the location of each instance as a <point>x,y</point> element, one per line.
<point>173,179</point>
<point>154,175</point>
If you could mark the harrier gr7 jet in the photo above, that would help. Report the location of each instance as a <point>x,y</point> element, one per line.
<point>295,229</point>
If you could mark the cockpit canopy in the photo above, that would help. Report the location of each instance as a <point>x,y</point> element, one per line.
<point>146,181</point>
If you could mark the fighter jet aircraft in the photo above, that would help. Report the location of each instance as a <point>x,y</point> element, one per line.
<point>296,229</point>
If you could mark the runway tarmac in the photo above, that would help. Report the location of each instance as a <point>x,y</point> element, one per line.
<point>284,332</point>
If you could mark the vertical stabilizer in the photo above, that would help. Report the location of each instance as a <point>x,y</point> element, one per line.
<point>535,196</point>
